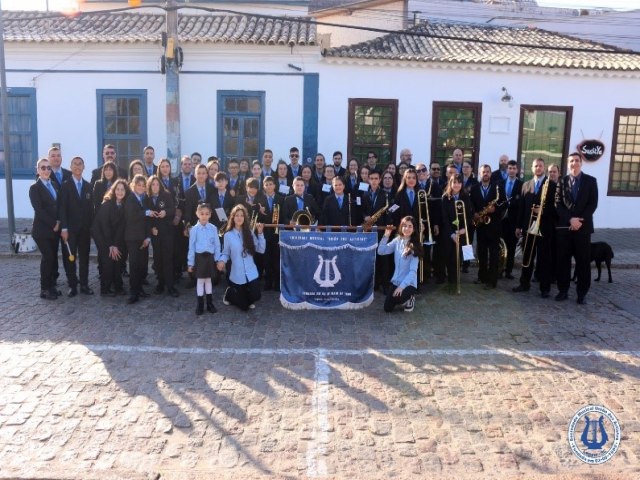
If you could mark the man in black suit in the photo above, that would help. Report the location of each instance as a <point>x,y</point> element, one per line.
<point>46,227</point>
<point>501,173</point>
<point>490,196</point>
<point>181,184</point>
<point>294,168</point>
<point>267,162</point>
<point>576,201</point>
<point>76,216</point>
<point>235,186</point>
<point>436,175</point>
<point>108,155</point>
<point>373,201</point>
<point>430,218</point>
<point>298,201</point>
<point>337,164</point>
<point>511,187</point>
<point>200,192</point>
<point>137,236</point>
<point>221,199</point>
<point>340,208</point>
<point>537,249</point>
<point>273,201</point>
<point>318,170</point>
<point>148,155</point>
<point>58,176</point>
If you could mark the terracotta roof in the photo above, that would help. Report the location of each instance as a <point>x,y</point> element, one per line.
<point>481,44</point>
<point>141,27</point>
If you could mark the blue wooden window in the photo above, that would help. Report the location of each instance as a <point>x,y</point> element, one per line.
<point>122,122</point>
<point>240,125</point>
<point>23,132</point>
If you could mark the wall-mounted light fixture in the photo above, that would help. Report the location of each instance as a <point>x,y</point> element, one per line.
<point>507,97</point>
<point>294,67</point>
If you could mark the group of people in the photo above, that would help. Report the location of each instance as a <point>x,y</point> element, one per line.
<point>210,223</point>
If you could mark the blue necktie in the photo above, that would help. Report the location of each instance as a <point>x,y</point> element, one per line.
<point>140,199</point>
<point>537,187</point>
<point>166,183</point>
<point>221,197</point>
<point>186,184</point>
<point>59,176</point>
<point>270,199</point>
<point>574,188</point>
<point>485,190</point>
<point>52,190</point>
<point>339,202</point>
<point>509,187</point>
<point>202,197</point>
<point>155,201</point>
<point>79,187</point>
<point>411,197</point>
<point>300,203</point>
<point>455,198</point>
<point>373,199</point>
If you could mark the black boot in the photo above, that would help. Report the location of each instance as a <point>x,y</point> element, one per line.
<point>210,306</point>
<point>200,307</point>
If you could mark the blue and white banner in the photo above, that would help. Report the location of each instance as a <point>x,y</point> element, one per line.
<point>327,270</point>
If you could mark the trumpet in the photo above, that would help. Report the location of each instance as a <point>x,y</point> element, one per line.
<point>534,228</point>
<point>254,221</point>
<point>276,217</point>
<point>460,210</point>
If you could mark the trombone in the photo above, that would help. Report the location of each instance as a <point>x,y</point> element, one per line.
<point>460,210</point>
<point>423,216</point>
<point>533,231</point>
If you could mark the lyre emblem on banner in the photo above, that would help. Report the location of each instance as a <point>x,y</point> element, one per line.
<point>329,265</point>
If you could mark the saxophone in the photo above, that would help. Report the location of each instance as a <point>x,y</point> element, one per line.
<point>484,215</point>
<point>366,226</point>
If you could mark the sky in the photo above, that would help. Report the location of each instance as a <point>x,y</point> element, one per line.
<point>65,4</point>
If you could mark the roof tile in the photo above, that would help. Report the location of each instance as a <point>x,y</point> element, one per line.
<point>130,27</point>
<point>458,43</point>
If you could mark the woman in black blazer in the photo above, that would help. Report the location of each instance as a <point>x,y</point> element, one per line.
<point>136,236</point>
<point>101,187</point>
<point>162,208</point>
<point>46,227</point>
<point>108,233</point>
<point>407,197</point>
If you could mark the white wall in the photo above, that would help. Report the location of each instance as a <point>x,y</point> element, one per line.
<point>67,110</point>
<point>416,88</point>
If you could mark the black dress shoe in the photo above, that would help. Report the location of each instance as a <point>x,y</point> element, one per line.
<point>72,292</point>
<point>86,290</point>
<point>509,276</point>
<point>48,295</point>
<point>488,286</point>
<point>582,301</point>
<point>173,292</point>
<point>142,294</point>
<point>268,287</point>
<point>105,292</point>
<point>145,281</point>
<point>120,291</point>
<point>159,289</point>
<point>478,282</point>
<point>465,269</point>
<point>520,288</point>
<point>57,292</point>
<point>132,299</point>
<point>544,294</point>
<point>561,296</point>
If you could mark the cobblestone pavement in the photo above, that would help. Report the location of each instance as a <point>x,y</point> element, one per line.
<point>472,387</point>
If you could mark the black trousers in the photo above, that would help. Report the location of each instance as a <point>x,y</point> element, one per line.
<point>272,263</point>
<point>577,245</point>
<point>79,244</point>
<point>111,270</point>
<point>438,256</point>
<point>48,262</point>
<point>243,295</point>
<point>510,240</point>
<point>137,259</point>
<point>181,249</point>
<point>163,257</point>
<point>541,262</point>
<point>488,253</point>
<point>390,301</point>
<point>451,263</point>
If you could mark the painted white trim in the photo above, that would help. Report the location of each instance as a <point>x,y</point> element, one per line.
<point>317,449</point>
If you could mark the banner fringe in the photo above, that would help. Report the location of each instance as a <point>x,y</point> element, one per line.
<point>308,306</point>
<point>327,249</point>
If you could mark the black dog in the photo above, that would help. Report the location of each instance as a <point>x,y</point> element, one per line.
<point>600,252</point>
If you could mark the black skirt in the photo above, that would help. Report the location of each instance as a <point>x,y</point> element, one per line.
<point>204,265</point>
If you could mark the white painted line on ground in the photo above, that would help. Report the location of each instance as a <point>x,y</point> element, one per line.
<point>317,450</point>
<point>366,351</point>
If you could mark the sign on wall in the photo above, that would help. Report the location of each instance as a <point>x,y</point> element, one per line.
<point>591,150</point>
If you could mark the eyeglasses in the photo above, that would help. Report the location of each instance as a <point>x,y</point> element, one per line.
<point>371,156</point>
<point>421,170</point>
<point>43,167</point>
<point>294,155</point>
<point>435,169</point>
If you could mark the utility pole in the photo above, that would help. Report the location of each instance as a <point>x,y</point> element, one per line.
<point>173,60</point>
<point>4,109</point>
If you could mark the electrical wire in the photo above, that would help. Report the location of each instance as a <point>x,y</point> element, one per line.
<point>310,21</point>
